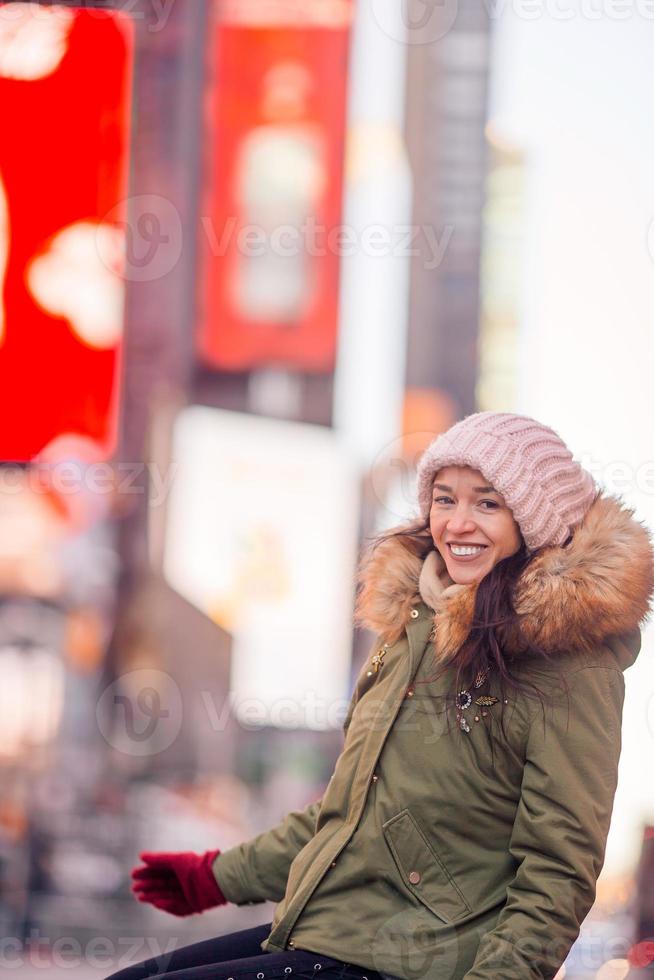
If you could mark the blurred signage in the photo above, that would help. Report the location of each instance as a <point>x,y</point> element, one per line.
<point>271,233</point>
<point>262,537</point>
<point>64,104</point>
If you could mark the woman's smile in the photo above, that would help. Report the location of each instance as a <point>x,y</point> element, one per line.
<point>466,553</point>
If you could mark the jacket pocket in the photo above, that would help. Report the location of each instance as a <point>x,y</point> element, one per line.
<point>422,870</point>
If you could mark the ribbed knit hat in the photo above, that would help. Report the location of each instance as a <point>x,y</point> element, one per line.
<point>527,462</point>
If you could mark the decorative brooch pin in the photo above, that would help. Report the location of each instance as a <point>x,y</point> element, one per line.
<point>463,701</point>
<point>378,660</point>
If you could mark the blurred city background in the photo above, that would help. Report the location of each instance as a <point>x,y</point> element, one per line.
<point>254,256</point>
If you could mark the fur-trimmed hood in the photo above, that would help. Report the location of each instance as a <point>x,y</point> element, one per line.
<point>569,598</point>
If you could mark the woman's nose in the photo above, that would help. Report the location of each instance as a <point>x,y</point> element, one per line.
<point>460,522</point>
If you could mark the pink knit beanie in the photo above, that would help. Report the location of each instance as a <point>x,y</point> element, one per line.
<point>528,463</point>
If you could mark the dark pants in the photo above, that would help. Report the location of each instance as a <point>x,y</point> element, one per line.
<point>239,956</point>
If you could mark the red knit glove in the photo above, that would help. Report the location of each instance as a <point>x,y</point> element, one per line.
<point>180,883</point>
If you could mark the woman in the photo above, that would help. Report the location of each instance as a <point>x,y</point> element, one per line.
<point>464,828</point>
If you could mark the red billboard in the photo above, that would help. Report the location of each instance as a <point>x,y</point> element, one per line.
<point>272,205</point>
<point>65,81</point>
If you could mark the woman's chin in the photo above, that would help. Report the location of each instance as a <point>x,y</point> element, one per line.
<point>465,576</point>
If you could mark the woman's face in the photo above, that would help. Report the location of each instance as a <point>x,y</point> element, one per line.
<point>466,513</point>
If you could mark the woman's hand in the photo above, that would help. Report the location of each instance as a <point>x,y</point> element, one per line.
<point>181,883</point>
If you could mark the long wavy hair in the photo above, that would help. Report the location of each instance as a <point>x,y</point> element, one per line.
<point>494,617</point>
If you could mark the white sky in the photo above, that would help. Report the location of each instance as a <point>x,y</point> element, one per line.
<point>576,94</point>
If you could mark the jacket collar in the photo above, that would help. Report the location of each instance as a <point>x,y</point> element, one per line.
<point>570,598</point>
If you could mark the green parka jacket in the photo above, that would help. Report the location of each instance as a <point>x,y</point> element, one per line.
<point>423,859</point>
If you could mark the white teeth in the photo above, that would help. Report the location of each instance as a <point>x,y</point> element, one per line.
<point>459,551</point>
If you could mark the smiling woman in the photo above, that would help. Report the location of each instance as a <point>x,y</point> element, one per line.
<point>464,852</point>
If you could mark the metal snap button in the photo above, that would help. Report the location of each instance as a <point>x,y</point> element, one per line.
<point>414,614</point>
<point>333,864</point>
<point>291,944</point>
<point>414,877</point>
<point>375,777</point>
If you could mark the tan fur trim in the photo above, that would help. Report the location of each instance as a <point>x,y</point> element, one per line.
<point>388,578</point>
<point>569,598</point>
<point>601,584</point>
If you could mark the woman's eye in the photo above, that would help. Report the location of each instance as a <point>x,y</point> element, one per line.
<point>492,504</point>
